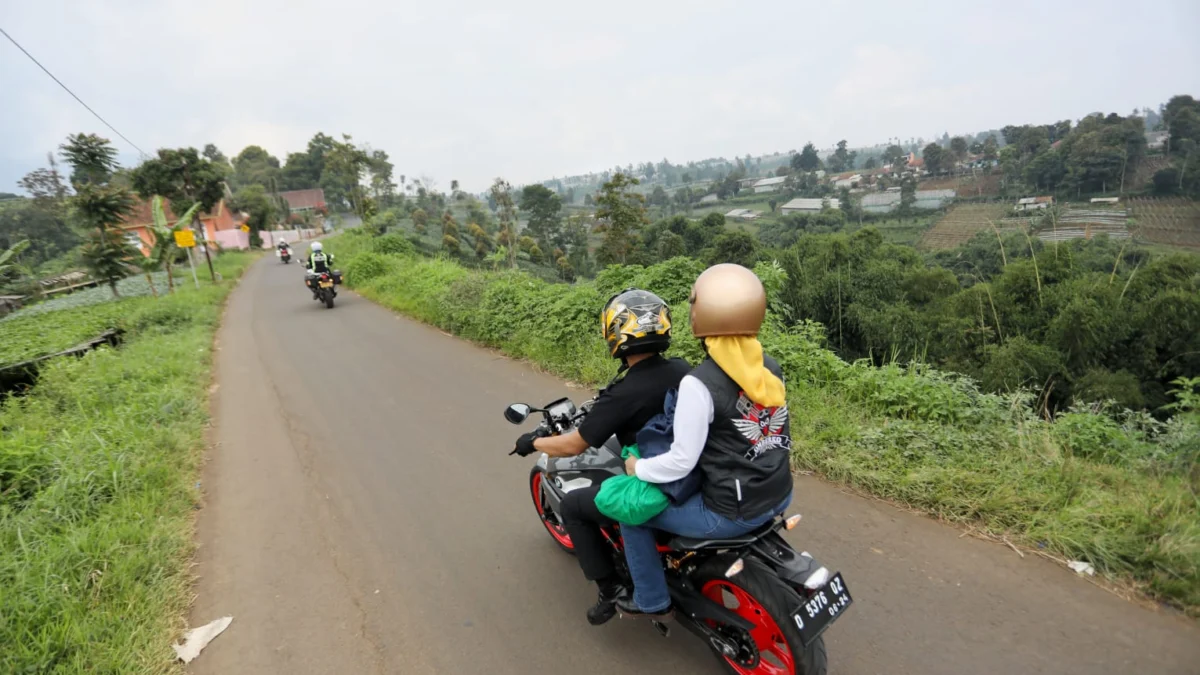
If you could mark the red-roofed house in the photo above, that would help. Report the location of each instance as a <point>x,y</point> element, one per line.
<point>304,200</point>
<point>137,224</point>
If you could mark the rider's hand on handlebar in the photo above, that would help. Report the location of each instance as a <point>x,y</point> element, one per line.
<point>524,446</point>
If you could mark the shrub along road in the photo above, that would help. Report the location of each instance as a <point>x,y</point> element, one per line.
<point>362,515</point>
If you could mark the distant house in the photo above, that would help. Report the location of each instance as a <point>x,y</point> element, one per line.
<point>933,199</point>
<point>136,226</point>
<point>748,182</point>
<point>881,202</point>
<point>770,184</point>
<point>300,201</point>
<point>1034,203</point>
<point>807,205</point>
<point>885,202</point>
<point>709,199</point>
<point>1156,140</point>
<point>848,181</point>
<point>742,214</point>
<point>1105,200</point>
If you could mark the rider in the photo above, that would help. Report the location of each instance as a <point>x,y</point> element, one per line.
<point>731,425</point>
<point>636,324</point>
<point>318,261</point>
<point>283,246</point>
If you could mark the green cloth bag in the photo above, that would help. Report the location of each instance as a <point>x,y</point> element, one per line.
<point>629,499</point>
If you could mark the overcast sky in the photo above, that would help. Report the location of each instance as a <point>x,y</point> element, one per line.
<point>529,90</point>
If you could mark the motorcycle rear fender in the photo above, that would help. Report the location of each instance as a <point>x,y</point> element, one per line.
<point>698,608</point>
<point>779,556</point>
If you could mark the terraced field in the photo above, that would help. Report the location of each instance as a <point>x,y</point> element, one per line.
<point>1084,221</point>
<point>1172,221</point>
<point>966,220</point>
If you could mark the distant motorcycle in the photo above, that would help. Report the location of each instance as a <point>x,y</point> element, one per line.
<point>284,253</point>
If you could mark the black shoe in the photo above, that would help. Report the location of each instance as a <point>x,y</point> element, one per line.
<point>605,607</point>
<point>627,608</point>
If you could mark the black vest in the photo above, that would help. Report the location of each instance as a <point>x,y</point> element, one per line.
<point>745,464</point>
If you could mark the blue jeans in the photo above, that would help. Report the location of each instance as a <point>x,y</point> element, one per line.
<point>689,519</point>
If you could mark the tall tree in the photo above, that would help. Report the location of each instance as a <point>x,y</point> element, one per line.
<point>47,187</point>
<point>842,158</point>
<point>808,159</point>
<point>894,156</point>
<point>543,209</point>
<point>100,206</point>
<point>958,148</point>
<point>621,212</point>
<point>255,166</point>
<point>501,192</point>
<point>936,158</point>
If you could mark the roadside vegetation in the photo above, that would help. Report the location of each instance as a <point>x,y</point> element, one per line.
<point>1115,488</point>
<point>98,465</point>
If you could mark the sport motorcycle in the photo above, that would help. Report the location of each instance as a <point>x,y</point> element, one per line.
<point>760,606</point>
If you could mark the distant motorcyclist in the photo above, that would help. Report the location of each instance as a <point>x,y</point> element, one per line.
<point>636,325</point>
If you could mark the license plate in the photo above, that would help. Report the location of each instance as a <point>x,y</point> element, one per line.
<point>326,284</point>
<point>822,609</point>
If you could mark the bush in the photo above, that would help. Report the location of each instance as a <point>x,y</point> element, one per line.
<point>366,267</point>
<point>393,244</point>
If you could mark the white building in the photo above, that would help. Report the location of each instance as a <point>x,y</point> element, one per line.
<point>807,205</point>
<point>1034,203</point>
<point>770,184</point>
<point>742,214</point>
<point>709,199</point>
<point>848,182</point>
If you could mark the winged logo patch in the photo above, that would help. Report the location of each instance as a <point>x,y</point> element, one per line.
<point>762,426</point>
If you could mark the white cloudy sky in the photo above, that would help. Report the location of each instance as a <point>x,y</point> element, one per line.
<point>473,90</point>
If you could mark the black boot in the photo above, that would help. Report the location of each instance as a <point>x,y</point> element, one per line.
<point>626,607</point>
<point>605,607</point>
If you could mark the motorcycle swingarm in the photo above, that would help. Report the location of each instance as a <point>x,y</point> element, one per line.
<point>782,559</point>
<point>697,608</point>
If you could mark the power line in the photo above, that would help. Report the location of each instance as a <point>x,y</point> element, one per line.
<point>65,88</point>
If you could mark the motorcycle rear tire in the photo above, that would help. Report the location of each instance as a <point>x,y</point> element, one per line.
<point>778,601</point>
<point>328,300</point>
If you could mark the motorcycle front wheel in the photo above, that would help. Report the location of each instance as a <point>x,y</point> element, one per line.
<point>773,646</point>
<point>550,519</point>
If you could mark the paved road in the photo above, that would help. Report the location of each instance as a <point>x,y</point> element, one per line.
<point>362,516</point>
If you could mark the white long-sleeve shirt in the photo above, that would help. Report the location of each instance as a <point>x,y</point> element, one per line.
<point>693,415</point>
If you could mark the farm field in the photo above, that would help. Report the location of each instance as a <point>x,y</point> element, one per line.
<point>1172,221</point>
<point>964,221</point>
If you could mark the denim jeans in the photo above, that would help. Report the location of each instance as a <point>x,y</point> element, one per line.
<point>689,519</point>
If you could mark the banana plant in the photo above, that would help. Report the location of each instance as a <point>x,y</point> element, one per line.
<point>163,251</point>
<point>5,256</point>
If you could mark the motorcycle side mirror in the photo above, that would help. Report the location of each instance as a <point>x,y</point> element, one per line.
<point>517,413</point>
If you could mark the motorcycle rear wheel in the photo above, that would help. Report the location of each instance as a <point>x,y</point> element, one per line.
<point>550,519</point>
<point>759,597</point>
<point>329,300</point>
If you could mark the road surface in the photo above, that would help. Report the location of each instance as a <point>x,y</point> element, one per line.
<point>362,515</point>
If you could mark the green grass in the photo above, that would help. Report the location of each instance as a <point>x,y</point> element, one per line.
<point>98,465</point>
<point>1118,493</point>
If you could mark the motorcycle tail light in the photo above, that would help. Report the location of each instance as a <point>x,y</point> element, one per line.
<point>737,566</point>
<point>792,521</point>
<point>817,579</point>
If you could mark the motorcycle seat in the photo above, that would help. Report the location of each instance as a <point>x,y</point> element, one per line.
<point>693,543</point>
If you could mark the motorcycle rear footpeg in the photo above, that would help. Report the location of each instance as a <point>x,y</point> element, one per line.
<point>662,628</point>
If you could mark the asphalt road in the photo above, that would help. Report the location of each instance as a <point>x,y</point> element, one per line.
<point>362,516</point>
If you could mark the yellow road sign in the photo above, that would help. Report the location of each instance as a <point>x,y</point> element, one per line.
<point>245,228</point>
<point>185,238</point>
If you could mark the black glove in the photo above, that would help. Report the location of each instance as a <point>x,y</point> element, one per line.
<point>525,444</point>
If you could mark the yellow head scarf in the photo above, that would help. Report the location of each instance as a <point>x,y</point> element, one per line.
<point>741,357</point>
